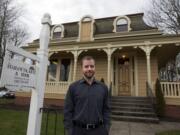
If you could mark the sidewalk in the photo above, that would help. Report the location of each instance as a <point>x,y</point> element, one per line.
<point>134,128</point>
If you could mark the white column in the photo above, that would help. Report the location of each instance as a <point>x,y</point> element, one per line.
<point>109,69</point>
<point>37,97</point>
<point>75,67</point>
<point>147,49</point>
<point>76,53</point>
<point>109,52</point>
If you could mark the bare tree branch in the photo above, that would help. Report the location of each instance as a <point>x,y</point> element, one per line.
<point>164,14</point>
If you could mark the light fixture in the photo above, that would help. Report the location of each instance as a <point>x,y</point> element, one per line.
<point>123,56</point>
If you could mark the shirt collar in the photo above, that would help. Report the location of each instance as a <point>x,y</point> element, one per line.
<point>84,81</point>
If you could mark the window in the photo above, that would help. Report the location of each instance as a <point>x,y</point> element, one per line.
<point>122,25</point>
<point>52,68</point>
<point>57,32</point>
<point>64,70</point>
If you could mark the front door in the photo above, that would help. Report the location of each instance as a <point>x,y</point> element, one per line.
<point>124,77</point>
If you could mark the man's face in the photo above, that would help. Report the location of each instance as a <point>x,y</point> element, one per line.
<point>88,68</point>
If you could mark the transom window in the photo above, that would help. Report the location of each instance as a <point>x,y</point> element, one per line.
<point>122,25</point>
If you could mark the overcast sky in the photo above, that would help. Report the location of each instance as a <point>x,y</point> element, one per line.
<point>62,11</point>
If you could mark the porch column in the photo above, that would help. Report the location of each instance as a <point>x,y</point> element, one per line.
<point>109,52</point>
<point>147,49</point>
<point>76,53</point>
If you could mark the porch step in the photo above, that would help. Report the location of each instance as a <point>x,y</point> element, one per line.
<point>128,98</point>
<point>138,109</point>
<point>133,109</point>
<point>131,104</point>
<point>135,118</point>
<point>129,113</point>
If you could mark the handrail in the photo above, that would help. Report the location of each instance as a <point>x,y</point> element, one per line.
<point>110,91</point>
<point>150,94</point>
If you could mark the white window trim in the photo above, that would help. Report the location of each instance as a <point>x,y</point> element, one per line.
<point>62,30</point>
<point>121,17</point>
<point>92,27</point>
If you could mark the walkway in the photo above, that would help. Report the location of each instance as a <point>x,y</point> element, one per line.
<point>134,128</point>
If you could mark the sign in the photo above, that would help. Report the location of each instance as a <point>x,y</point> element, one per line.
<point>19,75</point>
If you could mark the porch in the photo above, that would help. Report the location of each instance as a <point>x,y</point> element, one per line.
<point>171,90</point>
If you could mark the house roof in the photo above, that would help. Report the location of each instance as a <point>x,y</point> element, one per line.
<point>105,25</point>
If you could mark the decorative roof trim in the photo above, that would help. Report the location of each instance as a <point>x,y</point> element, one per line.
<point>54,27</point>
<point>122,17</point>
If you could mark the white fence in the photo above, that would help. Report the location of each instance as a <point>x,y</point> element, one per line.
<point>57,87</point>
<point>171,89</point>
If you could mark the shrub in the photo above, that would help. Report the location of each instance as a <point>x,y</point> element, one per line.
<point>160,101</point>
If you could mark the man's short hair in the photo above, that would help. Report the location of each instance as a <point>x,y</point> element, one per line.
<point>87,57</point>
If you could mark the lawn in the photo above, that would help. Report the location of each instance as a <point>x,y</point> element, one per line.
<point>171,132</point>
<point>15,123</point>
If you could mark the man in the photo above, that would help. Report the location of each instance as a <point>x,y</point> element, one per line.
<point>86,108</point>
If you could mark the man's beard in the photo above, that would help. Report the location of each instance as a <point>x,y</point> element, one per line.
<point>89,77</point>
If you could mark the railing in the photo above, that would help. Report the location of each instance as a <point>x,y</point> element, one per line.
<point>52,120</point>
<point>150,94</point>
<point>171,89</point>
<point>110,91</point>
<point>57,87</point>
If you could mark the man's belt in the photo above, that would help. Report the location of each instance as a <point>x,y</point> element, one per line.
<point>88,126</point>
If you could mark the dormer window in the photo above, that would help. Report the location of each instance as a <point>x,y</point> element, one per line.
<point>57,32</point>
<point>122,24</point>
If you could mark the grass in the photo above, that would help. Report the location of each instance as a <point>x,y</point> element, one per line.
<point>6,101</point>
<point>15,123</point>
<point>170,132</point>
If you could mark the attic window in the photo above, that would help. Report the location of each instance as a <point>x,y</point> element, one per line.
<point>122,25</point>
<point>57,32</point>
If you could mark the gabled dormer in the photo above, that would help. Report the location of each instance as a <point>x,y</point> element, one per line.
<point>86,29</point>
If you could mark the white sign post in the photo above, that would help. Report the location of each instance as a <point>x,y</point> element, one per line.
<point>37,97</point>
<point>18,75</point>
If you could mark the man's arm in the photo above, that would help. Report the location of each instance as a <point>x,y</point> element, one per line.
<point>68,111</point>
<point>106,110</point>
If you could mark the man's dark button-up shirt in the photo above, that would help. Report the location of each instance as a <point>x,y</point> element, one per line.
<point>86,103</point>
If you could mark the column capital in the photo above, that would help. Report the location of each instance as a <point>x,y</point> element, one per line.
<point>76,53</point>
<point>109,51</point>
<point>147,48</point>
